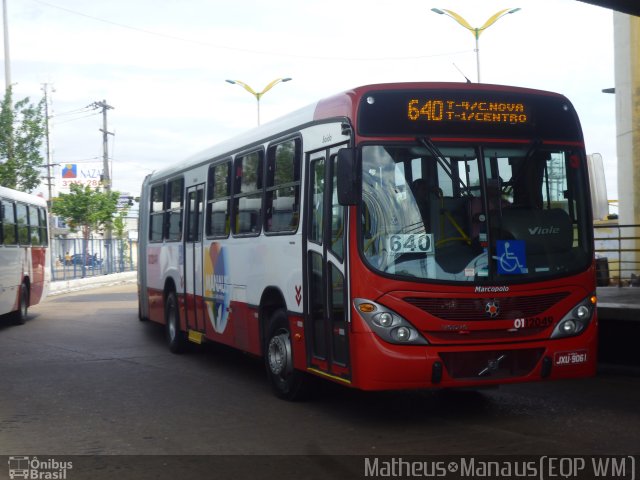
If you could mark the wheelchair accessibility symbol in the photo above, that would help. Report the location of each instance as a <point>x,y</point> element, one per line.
<point>511,257</point>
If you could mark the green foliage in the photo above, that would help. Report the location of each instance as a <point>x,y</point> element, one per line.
<point>119,225</point>
<point>86,209</point>
<point>22,131</point>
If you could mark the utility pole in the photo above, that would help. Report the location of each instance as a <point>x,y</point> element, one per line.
<point>7,60</point>
<point>49,177</point>
<point>106,177</point>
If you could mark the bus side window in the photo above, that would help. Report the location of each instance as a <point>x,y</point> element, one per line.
<point>156,213</point>
<point>218,200</point>
<point>248,194</point>
<point>42,226</point>
<point>9,234</point>
<point>22,217</point>
<point>174,208</point>
<point>34,232</point>
<point>282,210</point>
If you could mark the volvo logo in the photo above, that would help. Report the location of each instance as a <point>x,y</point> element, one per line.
<point>492,308</point>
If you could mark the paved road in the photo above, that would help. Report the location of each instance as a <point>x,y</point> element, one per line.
<point>84,377</point>
<point>619,304</point>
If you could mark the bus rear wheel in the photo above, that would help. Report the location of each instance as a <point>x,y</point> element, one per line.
<point>20,315</point>
<point>286,382</point>
<point>176,338</point>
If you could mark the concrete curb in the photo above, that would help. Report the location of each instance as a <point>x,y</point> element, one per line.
<point>65,286</point>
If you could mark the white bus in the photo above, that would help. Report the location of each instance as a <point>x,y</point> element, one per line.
<point>25,263</point>
<point>390,237</point>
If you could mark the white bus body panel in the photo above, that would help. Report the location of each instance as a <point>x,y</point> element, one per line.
<point>16,261</point>
<point>236,270</point>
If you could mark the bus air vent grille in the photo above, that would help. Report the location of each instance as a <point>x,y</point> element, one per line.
<point>491,364</point>
<point>470,309</point>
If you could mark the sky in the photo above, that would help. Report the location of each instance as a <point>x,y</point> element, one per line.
<point>162,65</point>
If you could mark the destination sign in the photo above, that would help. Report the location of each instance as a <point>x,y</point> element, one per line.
<point>468,111</point>
<point>442,109</point>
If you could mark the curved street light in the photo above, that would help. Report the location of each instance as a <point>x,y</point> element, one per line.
<point>476,31</point>
<point>258,95</point>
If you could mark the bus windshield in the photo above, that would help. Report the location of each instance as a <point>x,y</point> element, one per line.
<point>474,212</point>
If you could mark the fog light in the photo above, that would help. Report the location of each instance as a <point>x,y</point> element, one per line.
<point>582,312</point>
<point>384,319</point>
<point>568,327</point>
<point>403,334</point>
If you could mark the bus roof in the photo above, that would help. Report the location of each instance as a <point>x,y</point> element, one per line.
<point>10,194</point>
<point>344,104</point>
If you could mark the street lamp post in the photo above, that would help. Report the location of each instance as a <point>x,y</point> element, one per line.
<point>476,31</point>
<point>258,95</point>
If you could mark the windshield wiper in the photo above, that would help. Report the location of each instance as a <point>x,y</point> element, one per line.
<point>533,147</point>
<point>443,162</point>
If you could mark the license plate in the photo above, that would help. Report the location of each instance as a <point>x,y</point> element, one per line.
<point>571,358</point>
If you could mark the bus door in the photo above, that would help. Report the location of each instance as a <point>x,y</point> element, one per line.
<point>326,310</point>
<point>193,279</point>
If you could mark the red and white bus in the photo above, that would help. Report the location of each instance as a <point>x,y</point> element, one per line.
<point>25,263</point>
<point>395,236</point>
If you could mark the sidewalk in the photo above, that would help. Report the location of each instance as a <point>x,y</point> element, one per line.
<point>619,303</point>
<point>65,286</point>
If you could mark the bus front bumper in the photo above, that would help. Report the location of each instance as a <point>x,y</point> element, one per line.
<point>378,365</point>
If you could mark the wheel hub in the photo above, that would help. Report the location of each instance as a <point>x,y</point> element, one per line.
<point>279,354</point>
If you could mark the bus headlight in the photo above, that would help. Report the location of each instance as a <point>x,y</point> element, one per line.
<point>387,324</point>
<point>384,319</point>
<point>583,312</point>
<point>576,320</point>
<point>568,327</point>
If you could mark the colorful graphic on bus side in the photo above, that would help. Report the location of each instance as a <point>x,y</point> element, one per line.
<point>217,287</point>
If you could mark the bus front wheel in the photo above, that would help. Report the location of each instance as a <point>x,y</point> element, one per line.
<point>176,338</point>
<point>287,382</point>
<point>20,315</point>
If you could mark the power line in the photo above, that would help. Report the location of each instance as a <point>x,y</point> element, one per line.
<point>82,160</point>
<point>247,50</point>
<point>72,112</point>
<point>74,119</point>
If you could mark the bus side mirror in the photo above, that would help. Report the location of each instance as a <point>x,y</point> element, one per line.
<point>348,178</point>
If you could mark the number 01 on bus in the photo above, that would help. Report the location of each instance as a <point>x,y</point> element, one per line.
<point>396,236</point>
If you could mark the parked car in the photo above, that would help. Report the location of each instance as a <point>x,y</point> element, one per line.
<point>90,260</point>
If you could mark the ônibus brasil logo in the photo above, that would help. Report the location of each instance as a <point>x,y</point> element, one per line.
<point>40,469</point>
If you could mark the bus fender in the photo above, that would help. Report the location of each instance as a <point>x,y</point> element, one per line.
<point>272,299</point>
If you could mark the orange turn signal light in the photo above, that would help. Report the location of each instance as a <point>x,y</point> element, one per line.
<point>367,307</point>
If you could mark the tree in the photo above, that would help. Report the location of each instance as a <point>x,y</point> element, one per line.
<point>86,209</point>
<point>120,224</point>
<point>120,232</point>
<point>22,131</point>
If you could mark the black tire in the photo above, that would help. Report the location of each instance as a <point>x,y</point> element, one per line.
<point>287,382</point>
<point>176,338</point>
<point>20,315</point>
<point>140,317</point>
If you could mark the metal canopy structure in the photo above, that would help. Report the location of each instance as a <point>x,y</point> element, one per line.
<point>632,7</point>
